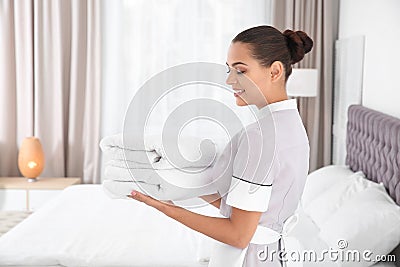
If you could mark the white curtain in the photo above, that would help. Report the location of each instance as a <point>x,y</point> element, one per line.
<point>50,84</point>
<point>144,37</point>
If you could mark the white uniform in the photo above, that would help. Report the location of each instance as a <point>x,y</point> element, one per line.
<point>264,168</point>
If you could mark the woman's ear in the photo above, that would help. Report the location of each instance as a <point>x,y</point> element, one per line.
<point>276,71</point>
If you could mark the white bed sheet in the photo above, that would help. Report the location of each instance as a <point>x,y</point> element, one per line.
<point>84,227</point>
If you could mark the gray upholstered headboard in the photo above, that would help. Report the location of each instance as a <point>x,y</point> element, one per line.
<point>373,147</point>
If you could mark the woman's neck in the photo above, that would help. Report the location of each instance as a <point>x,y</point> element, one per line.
<point>274,98</point>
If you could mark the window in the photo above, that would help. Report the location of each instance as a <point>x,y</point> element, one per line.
<point>144,37</point>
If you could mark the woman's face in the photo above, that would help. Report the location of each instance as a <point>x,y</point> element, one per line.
<point>247,76</point>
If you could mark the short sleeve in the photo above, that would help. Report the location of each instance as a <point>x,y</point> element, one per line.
<point>254,169</point>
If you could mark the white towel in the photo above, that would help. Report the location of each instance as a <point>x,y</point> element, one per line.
<point>186,152</point>
<point>116,189</point>
<point>113,147</point>
<point>125,175</point>
<point>185,178</point>
<point>162,164</point>
<point>141,157</point>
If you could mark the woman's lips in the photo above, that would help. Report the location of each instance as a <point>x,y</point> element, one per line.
<point>238,92</point>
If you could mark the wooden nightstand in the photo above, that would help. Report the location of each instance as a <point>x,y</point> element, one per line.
<point>18,194</point>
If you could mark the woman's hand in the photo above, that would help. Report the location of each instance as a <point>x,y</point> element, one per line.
<point>235,231</point>
<point>148,200</point>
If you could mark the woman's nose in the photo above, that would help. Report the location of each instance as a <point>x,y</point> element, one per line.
<point>231,79</point>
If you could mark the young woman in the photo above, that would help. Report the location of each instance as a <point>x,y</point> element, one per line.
<point>263,169</point>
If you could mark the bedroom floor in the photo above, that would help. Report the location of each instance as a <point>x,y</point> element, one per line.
<point>8,219</point>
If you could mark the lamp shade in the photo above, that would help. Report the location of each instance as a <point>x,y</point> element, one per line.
<point>31,157</point>
<point>302,82</point>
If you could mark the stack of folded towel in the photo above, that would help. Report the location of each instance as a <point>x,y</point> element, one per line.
<point>161,169</point>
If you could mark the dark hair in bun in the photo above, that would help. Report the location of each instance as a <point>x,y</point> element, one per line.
<point>299,44</point>
<point>268,44</point>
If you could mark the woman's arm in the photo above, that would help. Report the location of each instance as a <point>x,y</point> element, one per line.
<point>213,199</point>
<point>236,231</point>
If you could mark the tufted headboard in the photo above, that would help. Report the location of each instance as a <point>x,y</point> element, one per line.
<point>373,147</point>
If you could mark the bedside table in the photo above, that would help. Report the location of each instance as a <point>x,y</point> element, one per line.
<point>16,193</point>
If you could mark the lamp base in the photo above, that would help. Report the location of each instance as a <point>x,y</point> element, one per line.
<point>32,180</point>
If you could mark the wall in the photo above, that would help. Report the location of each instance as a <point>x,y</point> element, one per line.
<point>379,22</point>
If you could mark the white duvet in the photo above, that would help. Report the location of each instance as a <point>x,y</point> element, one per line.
<point>84,227</point>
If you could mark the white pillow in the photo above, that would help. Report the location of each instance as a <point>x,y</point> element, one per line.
<point>330,201</point>
<point>368,221</point>
<point>320,180</point>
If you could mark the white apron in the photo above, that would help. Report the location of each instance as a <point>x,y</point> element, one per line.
<point>226,255</point>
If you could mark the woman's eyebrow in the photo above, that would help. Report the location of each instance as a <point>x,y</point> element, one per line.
<point>236,63</point>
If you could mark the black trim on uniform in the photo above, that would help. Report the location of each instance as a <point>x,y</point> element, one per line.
<point>241,179</point>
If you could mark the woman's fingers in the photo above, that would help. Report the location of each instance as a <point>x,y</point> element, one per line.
<point>139,196</point>
<point>145,199</point>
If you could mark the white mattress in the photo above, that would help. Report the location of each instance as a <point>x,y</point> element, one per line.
<point>84,227</point>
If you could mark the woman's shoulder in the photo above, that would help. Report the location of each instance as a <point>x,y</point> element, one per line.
<point>252,130</point>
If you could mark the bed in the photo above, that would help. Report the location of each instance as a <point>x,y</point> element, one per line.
<point>83,227</point>
<point>373,154</point>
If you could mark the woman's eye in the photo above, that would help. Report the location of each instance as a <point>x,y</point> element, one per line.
<point>237,71</point>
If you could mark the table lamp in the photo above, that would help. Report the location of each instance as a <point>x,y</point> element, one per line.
<point>302,83</point>
<point>31,158</point>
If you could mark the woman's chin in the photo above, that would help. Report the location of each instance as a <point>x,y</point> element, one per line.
<point>240,102</point>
